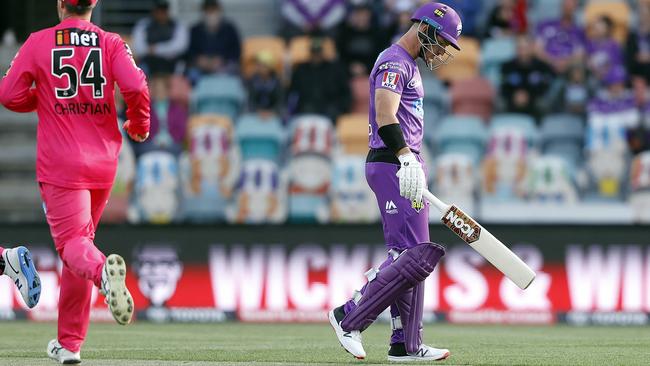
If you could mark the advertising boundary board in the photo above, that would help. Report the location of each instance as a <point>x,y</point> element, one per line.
<point>586,274</point>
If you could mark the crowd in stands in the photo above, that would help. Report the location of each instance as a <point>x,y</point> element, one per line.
<point>547,102</point>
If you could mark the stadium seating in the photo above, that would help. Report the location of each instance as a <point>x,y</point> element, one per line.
<point>562,135</point>
<point>260,138</point>
<point>352,133</point>
<point>454,180</point>
<point>352,200</point>
<point>436,105</point>
<point>360,94</point>
<point>473,96</point>
<point>260,195</point>
<point>505,164</point>
<point>299,49</point>
<point>618,11</point>
<point>463,135</point>
<point>252,46</point>
<point>117,207</point>
<point>542,10</point>
<point>156,189</point>
<point>640,187</point>
<point>550,181</point>
<point>522,122</point>
<point>210,169</point>
<point>494,53</point>
<point>465,64</point>
<point>309,167</point>
<point>219,94</point>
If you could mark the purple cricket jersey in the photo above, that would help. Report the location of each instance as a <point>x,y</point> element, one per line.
<point>560,41</point>
<point>395,70</point>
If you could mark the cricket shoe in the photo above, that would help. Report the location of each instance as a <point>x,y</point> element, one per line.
<point>20,268</point>
<point>397,353</point>
<point>118,297</point>
<point>56,352</point>
<point>350,341</point>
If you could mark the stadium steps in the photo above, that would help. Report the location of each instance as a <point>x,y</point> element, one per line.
<point>19,197</point>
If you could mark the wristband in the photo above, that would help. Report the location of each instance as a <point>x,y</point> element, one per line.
<point>392,137</point>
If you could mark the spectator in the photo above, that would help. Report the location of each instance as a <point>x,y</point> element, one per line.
<point>358,41</point>
<point>315,17</point>
<point>603,52</point>
<point>507,19</point>
<point>575,92</point>
<point>168,119</point>
<point>264,86</point>
<point>560,42</point>
<point>215,44</point>
<point>525,80</point>
<point>319,86</point>
<point>638,54</point>
<point>159,41</point>
<point>402,10</point>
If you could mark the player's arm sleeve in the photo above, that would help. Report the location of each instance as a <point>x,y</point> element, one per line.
<point>16,91</point>
<point>391,76</point>
<point>176,46</point>
<point>133,87</point>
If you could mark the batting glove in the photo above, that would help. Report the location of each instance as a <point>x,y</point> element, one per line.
<point>411,178</point>
<point>133,136</point>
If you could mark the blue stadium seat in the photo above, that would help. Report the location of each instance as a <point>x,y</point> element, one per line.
<point>304,207</point>
<point>562,135</point>
<point>494,53</point>
<point>219,94</point>
<point>436,106</point>
<point>462,134</point>
<point>260,139</point>
<point>156,188</point>
<point>523,122</point>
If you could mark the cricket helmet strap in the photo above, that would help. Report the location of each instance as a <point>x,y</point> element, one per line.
<point>442,21</point>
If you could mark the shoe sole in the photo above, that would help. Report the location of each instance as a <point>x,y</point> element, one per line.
<point>417,359</point>
<point>120,301</point>
<point>334,324</point>
<point>30,275</point>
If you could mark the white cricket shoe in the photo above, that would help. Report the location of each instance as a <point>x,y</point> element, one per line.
<point>397,353</point>
<point>350,341</point>
<point>56,352</point>
<point>118,297</point>
<point>20,268</point>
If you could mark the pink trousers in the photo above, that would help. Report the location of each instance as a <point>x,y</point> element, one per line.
<point>73,216</point>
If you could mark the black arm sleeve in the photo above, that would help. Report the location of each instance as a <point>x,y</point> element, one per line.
<point>393,137</point>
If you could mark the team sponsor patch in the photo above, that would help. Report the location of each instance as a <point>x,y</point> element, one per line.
<point>390,80</point>
<point>461,224</point>
<point>76,37</point>
<point>390,65</point>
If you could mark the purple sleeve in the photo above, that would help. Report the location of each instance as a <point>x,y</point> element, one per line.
<point>391,75</point>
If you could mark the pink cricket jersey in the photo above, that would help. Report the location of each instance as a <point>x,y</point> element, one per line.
<point>67,74</point>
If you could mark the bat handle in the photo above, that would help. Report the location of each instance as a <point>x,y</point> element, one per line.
<point>441,206</point>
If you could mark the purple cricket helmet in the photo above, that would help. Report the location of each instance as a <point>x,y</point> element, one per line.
<point>443,21</point>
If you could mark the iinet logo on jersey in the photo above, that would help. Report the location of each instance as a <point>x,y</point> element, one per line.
<point>76,37</point>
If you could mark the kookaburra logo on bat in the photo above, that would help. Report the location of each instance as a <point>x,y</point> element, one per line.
<point>461,224</point>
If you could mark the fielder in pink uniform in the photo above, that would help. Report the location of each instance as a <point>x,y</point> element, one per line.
<point>68,73</point>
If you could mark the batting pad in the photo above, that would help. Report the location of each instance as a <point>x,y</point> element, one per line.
<point>411,267</point>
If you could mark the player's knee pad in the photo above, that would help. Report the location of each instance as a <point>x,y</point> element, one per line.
<point>409,269</point>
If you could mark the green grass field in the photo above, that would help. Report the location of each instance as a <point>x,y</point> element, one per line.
<point>249,344</point>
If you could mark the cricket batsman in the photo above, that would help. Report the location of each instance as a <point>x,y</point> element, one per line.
<point>67,73</point>
<point>396,173</point>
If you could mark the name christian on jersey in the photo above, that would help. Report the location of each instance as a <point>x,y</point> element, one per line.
<point>91,73</point>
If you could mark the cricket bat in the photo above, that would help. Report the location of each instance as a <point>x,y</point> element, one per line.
<point>483,242</point>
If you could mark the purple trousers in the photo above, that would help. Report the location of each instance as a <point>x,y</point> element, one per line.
<point>404,227</point>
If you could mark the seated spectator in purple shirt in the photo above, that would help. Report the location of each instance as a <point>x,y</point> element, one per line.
<point>561,42</point>
<point>603,52</point>
<point>638,55</point>
<point>168,119</point>
<point>359,41</point>
<point>215,44</point>
<point>311,16</point>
